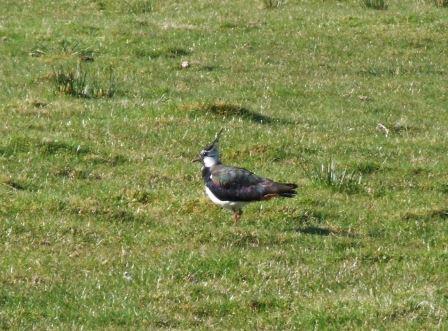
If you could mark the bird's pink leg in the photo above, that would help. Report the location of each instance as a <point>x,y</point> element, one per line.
<point>237,215</point>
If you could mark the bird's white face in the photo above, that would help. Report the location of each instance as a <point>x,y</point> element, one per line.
<point>210,157</point>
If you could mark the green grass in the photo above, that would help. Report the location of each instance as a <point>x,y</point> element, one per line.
<point>103,219</point>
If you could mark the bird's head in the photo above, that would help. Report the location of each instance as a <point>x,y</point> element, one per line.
<point>209,156</point>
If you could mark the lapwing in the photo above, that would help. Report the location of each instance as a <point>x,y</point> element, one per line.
<point>231,187</point>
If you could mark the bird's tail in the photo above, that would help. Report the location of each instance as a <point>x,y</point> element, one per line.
<point>287,190</point>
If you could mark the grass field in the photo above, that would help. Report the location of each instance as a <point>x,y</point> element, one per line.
<point>103,219</point>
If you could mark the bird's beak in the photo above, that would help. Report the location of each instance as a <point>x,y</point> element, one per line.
<point>198,159</point>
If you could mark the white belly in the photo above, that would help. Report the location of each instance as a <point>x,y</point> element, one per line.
<point>232,205</point>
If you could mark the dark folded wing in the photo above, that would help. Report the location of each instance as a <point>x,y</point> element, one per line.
<point>237,184</point>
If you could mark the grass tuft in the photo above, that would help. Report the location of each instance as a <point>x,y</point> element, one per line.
<point>340,180</point>
<point>137,7</point>
<point>80,83</point>
<point>375,4</point>
<point>174,52</point>
<point>272,4</point>
<point>75,48</point>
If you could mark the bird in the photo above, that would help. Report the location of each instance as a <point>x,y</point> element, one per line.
<point>231,187</point>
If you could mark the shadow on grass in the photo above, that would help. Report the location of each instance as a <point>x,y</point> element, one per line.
<point>229,110</point>
<point>99,210</point>
<point>57,148</point>
<point>429,215</point>
<point>18,184</point>
<point>323,231</point>
<point>171,52</point>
